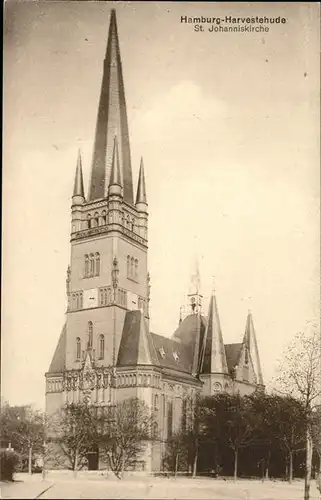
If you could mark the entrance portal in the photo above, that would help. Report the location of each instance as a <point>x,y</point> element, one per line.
<point>93,459</point>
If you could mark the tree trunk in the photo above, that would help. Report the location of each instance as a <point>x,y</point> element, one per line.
<point>290,466</point>
<point>267,465</point>
<point>30,460</point>
<point>235,464</point>
<point>122,467</point>
<point>195,464</point>
<point>308,463</point>
<point>176,464</point>
<point>76,463</point>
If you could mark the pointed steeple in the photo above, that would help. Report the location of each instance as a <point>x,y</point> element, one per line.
<point>141,186</point>
<point>111,121</point>
<point>79,183</point>
<point>214,358</point>
<point>250,341</point>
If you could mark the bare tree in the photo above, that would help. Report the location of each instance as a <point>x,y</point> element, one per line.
<point>71,435</point>
<point>299,376</point>
<point>125,429</point>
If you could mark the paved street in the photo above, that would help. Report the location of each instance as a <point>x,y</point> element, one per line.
<point>179,489</point>
<point>153,488</point>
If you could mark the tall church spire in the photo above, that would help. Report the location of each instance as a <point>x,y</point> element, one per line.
<point>214,351</point>
<point>111,121</point>
<point>251,342</point>
<point>79,183</point>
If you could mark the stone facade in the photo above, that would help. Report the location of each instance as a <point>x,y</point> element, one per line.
<point>106,350</point>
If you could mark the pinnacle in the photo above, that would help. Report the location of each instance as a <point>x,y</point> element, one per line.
<point>141,187</point>
<point>79,183</point>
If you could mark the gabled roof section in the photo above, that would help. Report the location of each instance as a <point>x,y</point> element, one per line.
<point>136,346</point>
<point>172,354</point>
<point>233,352</point>
<point>58,363</point>
<point>190,333</point>
<point>111,121</point>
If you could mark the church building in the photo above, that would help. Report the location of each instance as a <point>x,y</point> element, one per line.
<point>106,350</point>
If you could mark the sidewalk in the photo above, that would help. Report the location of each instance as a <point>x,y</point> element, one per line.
<point>25,486</point>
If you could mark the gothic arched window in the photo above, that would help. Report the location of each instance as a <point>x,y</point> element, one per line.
<point>101,346</point>
<point>89,221</point>
<point>90,334</point>
<point>97,266</point>
<point>104,217</point>
<point>96,219</point>
<point>86,265</point>
<point>92,264</point>
<point>78,349</point>
<point>156,402</point>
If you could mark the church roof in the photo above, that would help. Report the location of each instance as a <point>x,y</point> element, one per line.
<point>58,362</point>
<point>136,346</point>
<point>232,352</point>
<point>172,354</point>
<point>188,328</point>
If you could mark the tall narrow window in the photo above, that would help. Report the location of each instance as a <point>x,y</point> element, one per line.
<point>92,264</point>
<point>90,334</point>
<point>128,266</point>
<point>96,219</point>
<point>104,217</point>
<point>136,269</point>
<point>101,346</point>
<point>78,349</point>
<point>132,266</point>
<point>89,221</point>
<point>86,265</point>
<point>97,267</point>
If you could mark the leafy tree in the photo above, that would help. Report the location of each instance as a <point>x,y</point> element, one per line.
<point>282,420</point>
<point>23,428</point>
<point>176,454</point>
<point>229,421</point>
<point>124,430</point>
<point>299,376</point>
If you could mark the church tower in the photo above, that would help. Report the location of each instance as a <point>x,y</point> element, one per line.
<point>108,274</point>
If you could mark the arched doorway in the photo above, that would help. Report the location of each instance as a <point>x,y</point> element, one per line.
<point>93,459</point>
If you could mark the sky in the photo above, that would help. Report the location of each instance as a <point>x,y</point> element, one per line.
<point>228,125</point>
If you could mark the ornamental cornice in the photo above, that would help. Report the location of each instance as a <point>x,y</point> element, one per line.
<point>113,227</point>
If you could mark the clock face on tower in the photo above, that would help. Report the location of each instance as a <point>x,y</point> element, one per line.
<point>132,301</point>
<point>90,298</point>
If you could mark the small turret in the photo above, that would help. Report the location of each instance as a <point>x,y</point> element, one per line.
<point>141,198</point>
<point>141,202</point>
<point>78,196</point>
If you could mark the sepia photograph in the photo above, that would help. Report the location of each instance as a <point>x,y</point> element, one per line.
<point>161,250</point>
